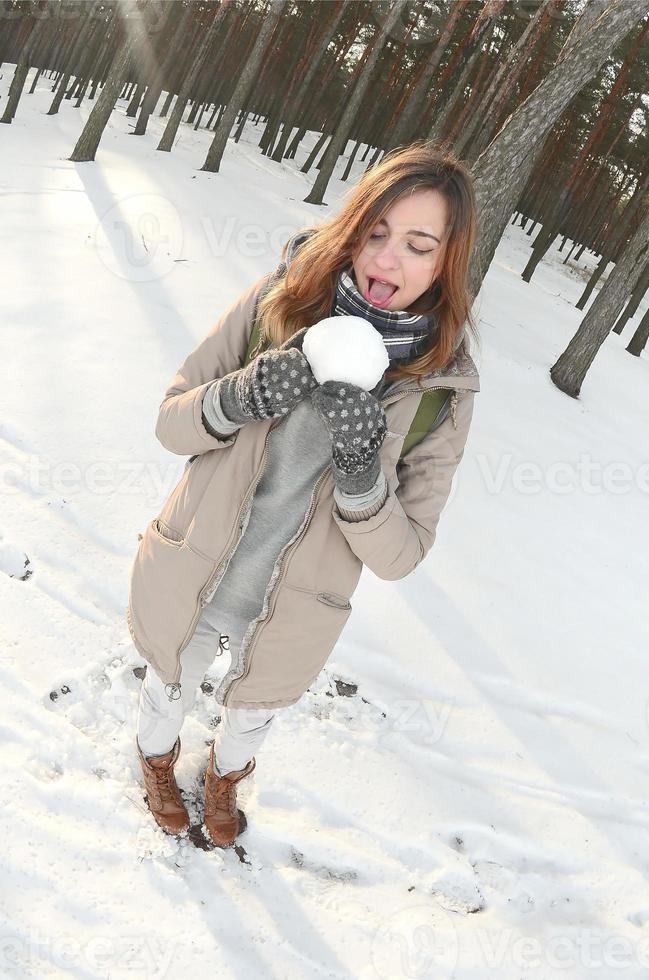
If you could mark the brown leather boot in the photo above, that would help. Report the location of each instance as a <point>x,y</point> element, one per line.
<point>221,817</point>
<point>162,793</point>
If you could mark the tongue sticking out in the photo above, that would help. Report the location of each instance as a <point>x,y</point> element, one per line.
<point>380,292</point>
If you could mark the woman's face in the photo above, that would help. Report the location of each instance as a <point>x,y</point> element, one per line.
<point>405,250</point>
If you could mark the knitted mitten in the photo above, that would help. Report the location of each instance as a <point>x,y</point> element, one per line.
<point>269,386</point>
<point>357,426</point>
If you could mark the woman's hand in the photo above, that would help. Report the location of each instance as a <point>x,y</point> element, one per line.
<point>271,385</point>
<point>356,423</point>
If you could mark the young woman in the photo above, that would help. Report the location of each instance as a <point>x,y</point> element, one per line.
<point>292,487</point>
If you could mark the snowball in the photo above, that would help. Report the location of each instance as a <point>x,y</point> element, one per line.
<point>346,348</point>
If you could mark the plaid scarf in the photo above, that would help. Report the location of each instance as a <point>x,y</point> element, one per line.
<point>405,335</point>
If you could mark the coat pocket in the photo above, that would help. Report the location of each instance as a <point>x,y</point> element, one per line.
<point>293,644</point>
<point>333,599</point>
<point>167,533</point>
<point>165,582</point>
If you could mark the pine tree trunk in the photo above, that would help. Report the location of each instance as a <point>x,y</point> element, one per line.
<point>570,369</point>
<point>167,139</point>
<point>163,64</point>
<point>339,138</point>
<point>447,109</point>
<point>477,134</point>
<point>639,340</point>
<point>295,142</point>
<point>22,68</point>
<point>81,41</point>
<point>134,104</point>
<point>636,298</point>
<point>88,142</point>
<point>38,74</point>
<point>592,282</point>
<point>293,108</point>
<point>516,148</point>
<point>411,115</point>
<point>243,87</point>
<point>310,160</point>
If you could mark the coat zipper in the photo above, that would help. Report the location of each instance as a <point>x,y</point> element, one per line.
<point>271,588</point>
<point>172,689</point>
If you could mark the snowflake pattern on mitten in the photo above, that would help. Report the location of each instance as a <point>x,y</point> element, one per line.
<point>270,385</point>
<point>274,383</point>
<point>356,423</point>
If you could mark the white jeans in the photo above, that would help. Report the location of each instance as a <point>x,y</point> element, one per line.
<point>241,731</point>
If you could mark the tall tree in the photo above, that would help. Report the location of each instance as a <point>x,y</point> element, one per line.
<point>503,83</point>
<point>570,369</point>
<point>639,340</point>
<point>246,80</point>
<point>505,166</point>
<point>565,200</point>
<point>471,53</point>
<point>167,138</point>
<point>292,110</point>
<point>79,44</point>
<point>340,135</point>
<point>133,20</point>
<point>38,29</point>
<point>409,119</point>
<point>154,90</point>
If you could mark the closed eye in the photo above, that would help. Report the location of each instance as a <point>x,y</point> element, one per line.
<point>417,251</point>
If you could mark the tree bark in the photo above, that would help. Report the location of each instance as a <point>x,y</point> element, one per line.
<point>86,146</point>
<point>639,340</point>
<point>569,371</point>
<point>341,134</point>
<point>413,111</point>
<point>243,87</point>
<point>79,43</point>
<point>635,299</point>
<point>516,148</point>
<point>167,138</point>
<point>293,109</point>
<point>503,83</point>
<point>22,68</point>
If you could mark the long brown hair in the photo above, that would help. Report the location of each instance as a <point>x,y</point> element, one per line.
<point>305,294</point>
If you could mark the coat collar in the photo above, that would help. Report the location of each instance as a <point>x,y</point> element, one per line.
<point>461,373</point>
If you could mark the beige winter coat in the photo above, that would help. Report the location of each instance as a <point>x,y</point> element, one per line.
<point>183,552</point>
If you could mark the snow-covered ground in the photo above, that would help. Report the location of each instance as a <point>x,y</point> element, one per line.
<point>479,807</point>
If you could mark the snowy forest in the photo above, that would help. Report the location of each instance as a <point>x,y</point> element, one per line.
<point>463,791</point>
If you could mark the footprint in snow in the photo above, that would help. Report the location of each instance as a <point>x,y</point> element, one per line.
<point>14,562</point>
<point>455,892</point>
<point>336,689</point>
<point>343,875</point>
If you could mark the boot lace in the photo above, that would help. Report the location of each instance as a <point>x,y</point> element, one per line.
<point>224,794</point>
<point>168,788</point>
<point>164,787</point>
